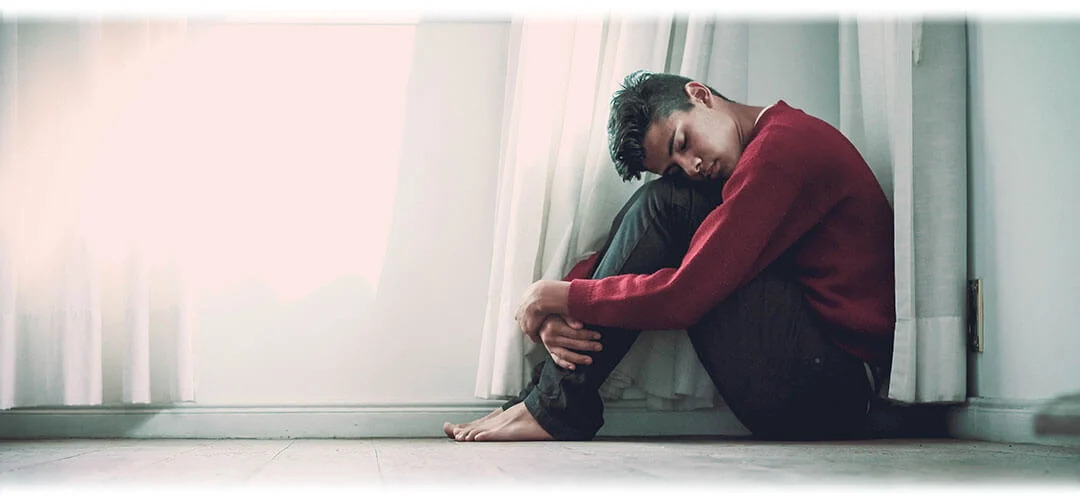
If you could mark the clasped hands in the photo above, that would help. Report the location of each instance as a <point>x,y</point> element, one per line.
<point>543,316</point>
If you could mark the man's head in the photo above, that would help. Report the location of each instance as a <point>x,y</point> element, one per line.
<point>672,125</point>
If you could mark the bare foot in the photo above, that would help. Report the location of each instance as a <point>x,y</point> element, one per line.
<point>451,429</point>
<point>514,424</point>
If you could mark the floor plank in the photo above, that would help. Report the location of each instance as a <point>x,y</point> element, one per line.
<point>228,461</point>
<point>329,461</point>
<point>95,461</point>
<point>618,462</point>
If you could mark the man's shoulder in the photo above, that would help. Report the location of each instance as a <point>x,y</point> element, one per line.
<point>792,131</point>
<point>800,144</point>
<point>795,124</point>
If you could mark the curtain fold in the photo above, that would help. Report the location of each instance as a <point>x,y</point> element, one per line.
<point>558,192</point>
<point>8,66</point>
<point>80,322</point>
<point>903,105</point>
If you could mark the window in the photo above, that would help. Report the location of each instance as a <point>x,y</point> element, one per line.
<point>254,150</point>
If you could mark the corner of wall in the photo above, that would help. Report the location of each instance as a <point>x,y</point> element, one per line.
<point>1004,421</point>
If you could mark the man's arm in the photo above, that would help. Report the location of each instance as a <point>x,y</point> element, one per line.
<point>531,320</point>
<point>560,333</point>
<point>556,294</point>
<point>765,211</point>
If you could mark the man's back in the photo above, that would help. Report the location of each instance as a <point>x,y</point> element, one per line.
<point>845,258</point>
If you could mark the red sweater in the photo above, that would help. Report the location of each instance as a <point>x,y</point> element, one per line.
<point>800,193</point>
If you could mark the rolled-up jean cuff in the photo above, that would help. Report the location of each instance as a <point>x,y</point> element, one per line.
<point>552,425</point>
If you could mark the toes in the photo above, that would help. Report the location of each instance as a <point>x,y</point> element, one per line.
<point>448,429</point>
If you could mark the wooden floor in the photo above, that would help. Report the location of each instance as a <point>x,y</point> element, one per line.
<point>660,461</point>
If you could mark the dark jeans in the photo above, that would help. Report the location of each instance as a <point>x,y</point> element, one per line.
<point>765,350</point>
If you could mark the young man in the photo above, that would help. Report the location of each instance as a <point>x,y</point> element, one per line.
<point>767,238</point>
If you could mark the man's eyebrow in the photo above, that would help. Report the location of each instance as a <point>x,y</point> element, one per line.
<point>670,151</point>
<point>671,143</point>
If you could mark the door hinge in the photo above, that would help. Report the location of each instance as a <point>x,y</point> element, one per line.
<point>975,315</point>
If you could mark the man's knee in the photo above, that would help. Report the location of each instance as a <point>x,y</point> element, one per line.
<point>673,196</point>
<point>657,195</point>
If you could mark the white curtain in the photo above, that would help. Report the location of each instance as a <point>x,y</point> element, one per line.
<point>903,104</point>
<point>558,191</point>
<point>92,310</point>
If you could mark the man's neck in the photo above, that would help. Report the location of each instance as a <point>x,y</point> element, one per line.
<point>763,109</point>
<point>746,117</point>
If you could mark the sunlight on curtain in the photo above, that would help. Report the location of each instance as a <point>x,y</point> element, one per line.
<point>147,163</point>
<point>271,155</point>
<point>558,194</point>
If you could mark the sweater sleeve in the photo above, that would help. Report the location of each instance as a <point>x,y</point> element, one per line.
<point>583,269</point>
<point>766,209</point>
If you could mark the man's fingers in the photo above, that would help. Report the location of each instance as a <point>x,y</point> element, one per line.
<point>570,357</point>
<point>531,324</point>
<point>573,323</point>
<point>584,335</point>
<point>578,345</point>
<point>556,334</point>
<point>571,333</point>
<point>561,362</point>
<point>557,330</point>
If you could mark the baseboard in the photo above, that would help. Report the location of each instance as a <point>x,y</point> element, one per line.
<point>1060,417</point>
<point>327,421</point>
<point>1003,420</point>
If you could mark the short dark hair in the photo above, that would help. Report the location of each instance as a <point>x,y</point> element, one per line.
<point>643,99</point>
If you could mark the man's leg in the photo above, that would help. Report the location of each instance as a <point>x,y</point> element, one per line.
<point>770,358</point>
<point>452,430</point>
<point>652,231</point>
<point>706,197</point>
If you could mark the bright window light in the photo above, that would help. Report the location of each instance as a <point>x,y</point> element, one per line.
<point>254,151</point>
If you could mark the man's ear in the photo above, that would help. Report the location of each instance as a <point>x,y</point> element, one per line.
<point>698,92</point>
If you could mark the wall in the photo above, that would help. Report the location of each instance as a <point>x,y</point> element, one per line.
<point>1024,180</point>
<point>1023,183</point>
<point>415,338</point>
<point>797,61</point>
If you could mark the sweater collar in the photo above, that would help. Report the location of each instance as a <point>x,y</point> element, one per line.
<point>766,115</point>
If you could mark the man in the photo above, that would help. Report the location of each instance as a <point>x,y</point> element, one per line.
<point>783,279</point>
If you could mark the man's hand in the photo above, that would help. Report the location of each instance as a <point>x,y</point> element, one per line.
<point>559,334</point>
<point>541,299</point>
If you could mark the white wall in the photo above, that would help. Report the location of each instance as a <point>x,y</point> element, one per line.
<point>416,338</point>
<point>797,61</point>
<point>1024,204</point>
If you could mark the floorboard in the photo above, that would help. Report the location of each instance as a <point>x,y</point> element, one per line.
<point>620,462</point>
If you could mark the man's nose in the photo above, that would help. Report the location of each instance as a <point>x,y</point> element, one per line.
<point>692,165</point>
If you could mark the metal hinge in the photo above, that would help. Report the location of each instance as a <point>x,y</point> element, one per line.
<point>975,315</point>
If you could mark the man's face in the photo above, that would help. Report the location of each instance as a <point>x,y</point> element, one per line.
<point>701,143</point>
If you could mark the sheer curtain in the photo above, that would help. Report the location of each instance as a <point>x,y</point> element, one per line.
<point>558,191</point>
<point>94,308</point>
<point>903,104</point>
